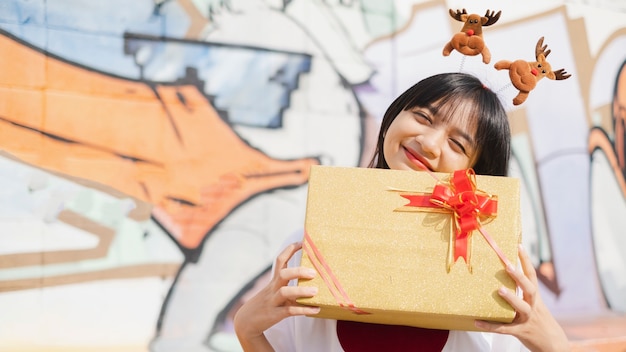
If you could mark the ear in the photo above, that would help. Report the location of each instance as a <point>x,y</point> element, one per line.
<point>541,58</point>
<point>483,20</point>
<point>464,17</point>
<point>551,75</point>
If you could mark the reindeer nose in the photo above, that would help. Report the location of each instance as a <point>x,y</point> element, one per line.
<point>470,32</point>
<point>534,71</point>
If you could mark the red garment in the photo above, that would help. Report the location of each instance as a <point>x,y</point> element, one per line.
<point>362,337</point>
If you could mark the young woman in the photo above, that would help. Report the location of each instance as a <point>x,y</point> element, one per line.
<point>443,123</point>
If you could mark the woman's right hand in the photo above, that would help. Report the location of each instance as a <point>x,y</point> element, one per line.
<point>274,302</point>
<point>534,325</point>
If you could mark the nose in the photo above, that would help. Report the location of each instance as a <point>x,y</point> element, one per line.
<point>431,143</point>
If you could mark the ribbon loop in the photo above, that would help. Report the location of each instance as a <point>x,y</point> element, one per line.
<point>467,204</point>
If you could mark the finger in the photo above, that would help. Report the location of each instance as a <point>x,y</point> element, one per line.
<point>527,265</point>
<point>281,312</point>
<point>299,272</point>
<point>283,258</point>
<point>522,307</point>
<point>526,278</point>
<point>291,293</point>
<point>521,280</point>
<point>498,328</point>
<point>300,310</point>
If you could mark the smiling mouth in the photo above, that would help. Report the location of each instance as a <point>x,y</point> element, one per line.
<point>416,160</point>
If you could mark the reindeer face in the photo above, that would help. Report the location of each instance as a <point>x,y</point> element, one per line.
<point>473,25</point>
<point>541,69</point>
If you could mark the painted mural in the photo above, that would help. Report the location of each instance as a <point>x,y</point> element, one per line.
<point>154,154</point>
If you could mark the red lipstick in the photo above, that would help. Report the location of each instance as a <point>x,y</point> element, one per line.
<point>417,159</point>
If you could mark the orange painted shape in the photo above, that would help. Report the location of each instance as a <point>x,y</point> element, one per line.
<point>19,69</point>
<point>65,77</point>
<point>24,102</point>
<point>189,152</point>
<point>126,126</point>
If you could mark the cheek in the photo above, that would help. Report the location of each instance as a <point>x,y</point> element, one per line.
<point>390,140</point>
<point>458,162</point>
<point>471,162</point>
<point>387,149</point>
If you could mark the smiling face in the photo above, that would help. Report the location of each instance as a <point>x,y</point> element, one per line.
<point>424,138</point>
<point>445,122</point>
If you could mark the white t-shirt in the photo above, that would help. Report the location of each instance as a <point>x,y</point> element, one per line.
<point>307,334</point>
<point>304,334</point>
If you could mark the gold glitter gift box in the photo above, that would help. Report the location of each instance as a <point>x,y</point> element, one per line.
<point>383,258</point>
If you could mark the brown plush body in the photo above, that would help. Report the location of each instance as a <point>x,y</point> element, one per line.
<point>469,41</point>
<point>525,75</point>
<point>521,75</point>
<point>468,45</point>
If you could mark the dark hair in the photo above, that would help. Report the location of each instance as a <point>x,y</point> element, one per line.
<point>443,93</point>
<point>618,122</point>
<point>619,72</point>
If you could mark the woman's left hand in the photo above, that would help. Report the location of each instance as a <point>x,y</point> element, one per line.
<point>533,324</point>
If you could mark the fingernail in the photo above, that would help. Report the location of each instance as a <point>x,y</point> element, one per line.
<point>521,248</point>
<point>312,290</point>
<point>309,273</point>
<point>502,291</point>
<point>478,324</point>
<point>510,268</point>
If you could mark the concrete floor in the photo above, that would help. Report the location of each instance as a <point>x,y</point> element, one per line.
<point>602,333</point>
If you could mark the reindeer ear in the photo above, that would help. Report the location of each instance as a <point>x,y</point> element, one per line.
<point>464,18</point>
<point>551,75</point>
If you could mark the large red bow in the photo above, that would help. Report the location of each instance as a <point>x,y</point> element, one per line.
<point>468,205</point>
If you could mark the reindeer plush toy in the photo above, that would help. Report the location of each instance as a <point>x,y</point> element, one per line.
<point>525,75</point>
<point>470,40</point>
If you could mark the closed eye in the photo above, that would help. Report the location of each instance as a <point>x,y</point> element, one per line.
<point>458,146</point>
<point>422,117</point>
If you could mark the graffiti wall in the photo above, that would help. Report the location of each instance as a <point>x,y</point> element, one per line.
<point>154,154</point>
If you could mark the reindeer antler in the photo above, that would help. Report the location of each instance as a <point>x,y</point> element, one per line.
<point>492,18</point>
<point>541,49</point>
<point>561,74</point>
<point>458,14</point>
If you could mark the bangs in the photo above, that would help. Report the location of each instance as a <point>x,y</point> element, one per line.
<point>451,100</point>
<point>459,110</point>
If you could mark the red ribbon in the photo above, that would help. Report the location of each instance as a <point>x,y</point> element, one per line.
<point>331,281</point>
<point>467,204</point>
